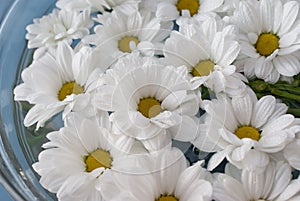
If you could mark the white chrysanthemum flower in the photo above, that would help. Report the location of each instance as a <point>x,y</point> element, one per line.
<point>125,33</point>
<point>96,5</point>
<point>150,102</point>
<point>208,49</point>
<point>269,35</point>
<point>173,182</point>
<point>275,183</point>
<point>233,127</point>
<point>76,158</point>
<point>62,82</point>
<point>58,26</point>
<point>173,9</point>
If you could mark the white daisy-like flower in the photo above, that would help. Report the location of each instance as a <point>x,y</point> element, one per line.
<point>208,49</point>
<point>76,158</point>
<point>125,33</point>
<point>150,102</point>
<point>100,6</point>
<point>275,183</point>
<point>269,35</point>
<point>233,127</point>
<point>173,9</point>
<point>173,182</point>
<point>58,26</point>
<point>62,82</point>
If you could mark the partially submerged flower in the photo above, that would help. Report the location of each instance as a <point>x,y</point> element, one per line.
<point>95,5</point>
<point>126,32</point>
<point>58,26</point>
<point>60,82</point>
<point>75,159</point>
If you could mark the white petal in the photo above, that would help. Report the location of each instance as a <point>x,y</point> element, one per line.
<point>242,107</point>
<point>291,154</point>
<point>207,5</point>
<point>203,142</point>
<point>64,59</point>
<point>277,16</point>
<point>166,11</point>
<point>282,179</point>
<point>239,153</point>
<point>278,124</point>
<point>186,131</point>
<point>290,12</point>
<point>288,40</point>
<point>273,142</point>
<point>287,65</point>
<point>262,71</point>
<point>158,142</point>
<point>217,158</point>
<point>256,161</point>
<point>267,15</point>
<point>263,109</point>
<point>230,53</point>
<point>166,119</point>
<point>172,101</point>
<point>292,189</point>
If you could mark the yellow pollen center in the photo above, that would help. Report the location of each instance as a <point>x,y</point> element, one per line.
<point>266,44</point>
<point>203,68</point>
<point>69,88</point>
<point>167,198</point>
<point>97,159</point>
<point>248,132</point>
<point>149,107</point>
<point>191,5</point>
<point>124,43</point>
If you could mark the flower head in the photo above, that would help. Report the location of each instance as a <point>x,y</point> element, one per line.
<point>269,35</point>
<point>75,158</point>
<point>236,126</point>
<point>150,103</point>
<point>208,49</point>
<point>60,82</point>
<point>58,26</point>
<point>125,33</point>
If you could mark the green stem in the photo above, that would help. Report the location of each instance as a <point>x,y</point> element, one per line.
<point>285,94</point>
<point>293,90</point>
<point>294,111</point>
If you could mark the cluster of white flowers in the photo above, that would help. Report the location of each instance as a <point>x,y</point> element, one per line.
<point>129,77</point>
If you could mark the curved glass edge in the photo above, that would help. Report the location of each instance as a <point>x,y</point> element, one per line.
<point>15,172</point>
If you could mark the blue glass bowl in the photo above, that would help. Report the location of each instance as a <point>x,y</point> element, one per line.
<point>19,146</point>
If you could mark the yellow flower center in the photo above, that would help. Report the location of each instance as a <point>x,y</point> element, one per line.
<point>248,132</point>
<point>203,68</point>
<point>167,198</point>
<point>191,5</point>
<point>69,88</point>
<point>124,43</point>
<point>149,107</point>
<point>97,159</point>
<point>266,44</point>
